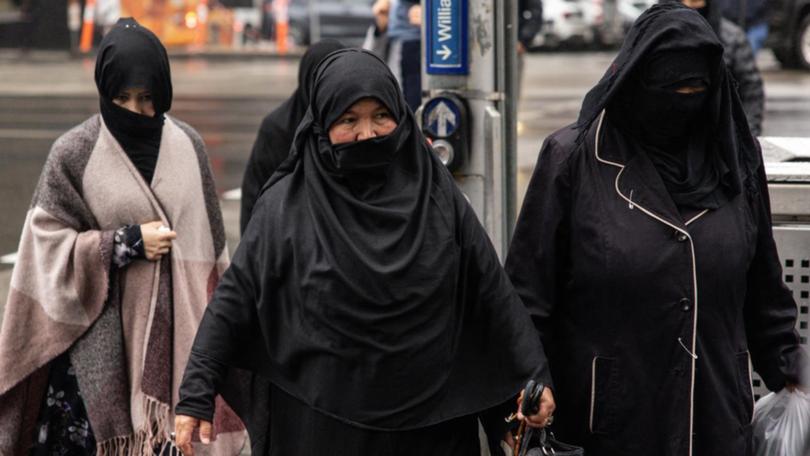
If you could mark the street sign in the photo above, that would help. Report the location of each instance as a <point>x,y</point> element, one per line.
<point>441,117</point>
<point>446,37</point>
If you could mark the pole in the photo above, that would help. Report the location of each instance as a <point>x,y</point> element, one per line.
<point>314,22</point>
<point>507,25</point>
<point>488,88</point>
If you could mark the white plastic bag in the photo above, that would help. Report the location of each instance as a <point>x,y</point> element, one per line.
<point>781,424</point>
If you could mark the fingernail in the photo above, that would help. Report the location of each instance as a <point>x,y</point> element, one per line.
<point>205,440</point>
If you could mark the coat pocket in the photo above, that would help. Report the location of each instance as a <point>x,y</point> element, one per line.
<point>746,388</point>
<point>604,395</point>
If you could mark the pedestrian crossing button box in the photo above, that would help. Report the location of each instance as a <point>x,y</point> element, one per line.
<point>446,125</point>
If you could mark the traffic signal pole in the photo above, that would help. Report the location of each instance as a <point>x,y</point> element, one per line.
<point>469,80</point>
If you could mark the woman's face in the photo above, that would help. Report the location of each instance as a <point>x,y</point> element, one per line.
<point>368,118</point>
<point>137,100</point>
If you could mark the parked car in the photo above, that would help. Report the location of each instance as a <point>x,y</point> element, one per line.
<point>605,20</point>
<point>789,35</point>
<point>344,20</point>
<point>630,10</point>
<point>563,24</point>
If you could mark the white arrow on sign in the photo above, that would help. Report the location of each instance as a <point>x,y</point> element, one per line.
<point>441,116</point>
<point>445,52</point>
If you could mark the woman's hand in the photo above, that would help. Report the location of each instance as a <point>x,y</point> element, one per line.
<point>156,242</point>
<point>184,427</point>
<point>543,416</point>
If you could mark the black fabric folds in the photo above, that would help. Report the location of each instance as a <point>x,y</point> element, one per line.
<point>695,140</point>
<point>132,56</point>
<point>273,142</point>
<point>371,294</point>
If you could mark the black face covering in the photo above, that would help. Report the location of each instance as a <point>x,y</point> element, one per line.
<point>699,143</point>
<point>669,116</point>
<point>130,56</point>
<point>368,157</point>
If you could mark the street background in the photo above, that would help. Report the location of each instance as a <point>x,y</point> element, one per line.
<point>45,94</point>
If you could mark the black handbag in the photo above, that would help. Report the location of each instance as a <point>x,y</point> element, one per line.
<point>543,443</point>
<point>531,442</point>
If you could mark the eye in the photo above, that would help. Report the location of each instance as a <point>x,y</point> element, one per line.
<point>121,98</point>
<point>382,115</point>
<point>347,120</point>
<point>146,97</point>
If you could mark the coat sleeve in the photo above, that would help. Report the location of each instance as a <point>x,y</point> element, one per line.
<point>256,174</point>
<point>770,311</point>
<point>228,332</point>
<point>744,69</point>
<point>538,254</point>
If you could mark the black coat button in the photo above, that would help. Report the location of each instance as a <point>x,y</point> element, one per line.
<point>686,304</point>
<point>681,237</point>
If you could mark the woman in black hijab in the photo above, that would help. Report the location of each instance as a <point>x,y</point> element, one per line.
<point>272,145</point>
<point>645,255</point>
<point>365,290</point>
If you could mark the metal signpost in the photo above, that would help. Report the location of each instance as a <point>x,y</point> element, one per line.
<point>468,79</point>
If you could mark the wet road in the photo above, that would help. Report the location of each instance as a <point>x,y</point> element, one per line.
<point>225,102</point>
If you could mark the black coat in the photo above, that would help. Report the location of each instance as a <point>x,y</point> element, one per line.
<point>624,290</point>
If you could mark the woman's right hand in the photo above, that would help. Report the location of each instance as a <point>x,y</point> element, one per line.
<point>184,427</point>
<point>156,242</point>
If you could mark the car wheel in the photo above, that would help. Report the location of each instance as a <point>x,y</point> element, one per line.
<point>803,43</point>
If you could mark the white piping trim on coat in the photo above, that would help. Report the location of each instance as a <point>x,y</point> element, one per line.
<point>693,352</point>
<point>593,392</point>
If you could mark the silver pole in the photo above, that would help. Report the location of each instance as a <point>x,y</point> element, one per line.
<point>314,22</point>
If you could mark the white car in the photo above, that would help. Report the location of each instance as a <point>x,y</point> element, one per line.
<point>630,10</point>
<point>605,20</point>
<point>563,24</point>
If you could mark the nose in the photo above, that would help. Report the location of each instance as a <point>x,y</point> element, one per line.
<point>365,131</point>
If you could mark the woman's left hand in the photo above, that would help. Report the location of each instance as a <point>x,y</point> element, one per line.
<point>543,417</point>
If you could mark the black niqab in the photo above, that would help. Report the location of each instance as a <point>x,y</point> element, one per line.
<point>378,296</point>
<point>131,56</point>
<point>711,12</point>
<point>695,141</point>
<point>272,145</point>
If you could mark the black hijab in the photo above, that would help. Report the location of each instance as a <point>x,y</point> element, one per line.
<point>711,12</point>
<point>272,145</point>
<point>132,56</point>
<point>696,142</point>
<point>378,296</point>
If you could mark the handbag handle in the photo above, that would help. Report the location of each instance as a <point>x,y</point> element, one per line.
<point>528,407</point>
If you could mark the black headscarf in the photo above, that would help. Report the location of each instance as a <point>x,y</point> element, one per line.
<point>379,298</point>
<point>697,141</point>
<point>132,56</point>
<point>711,12</point>
<point>272,145</point>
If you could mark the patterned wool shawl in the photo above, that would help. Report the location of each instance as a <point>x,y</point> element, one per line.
<point>128,331</point>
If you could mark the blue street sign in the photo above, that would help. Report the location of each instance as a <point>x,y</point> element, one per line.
<point>447,37</point>
<point>441,116</point>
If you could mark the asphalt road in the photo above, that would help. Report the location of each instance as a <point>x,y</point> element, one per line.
<point>226,100</point>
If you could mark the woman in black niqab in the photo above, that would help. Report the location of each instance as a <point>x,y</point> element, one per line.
<point>273,142</point>
<point>645,254</point>
<point>366,291</point>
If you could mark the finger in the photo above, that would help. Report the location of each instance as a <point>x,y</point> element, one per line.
<point>168,235</point>
<point>205,432</point>
<point>183,437</point>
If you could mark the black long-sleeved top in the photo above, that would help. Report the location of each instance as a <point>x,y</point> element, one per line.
<point>530,20</point>
<point>650,316</point>
<point>743,66</point>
